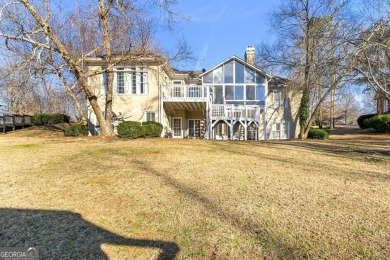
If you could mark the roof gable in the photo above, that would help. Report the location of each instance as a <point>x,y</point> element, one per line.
<point>237,59</point>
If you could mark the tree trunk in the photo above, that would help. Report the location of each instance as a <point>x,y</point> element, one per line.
<point>72,96</point>
<point>105,128</point>
<point>335,83</point>
<point>103,13</point>
<point>77,105</point>
<point>78,71</point>
<point>304,106</point>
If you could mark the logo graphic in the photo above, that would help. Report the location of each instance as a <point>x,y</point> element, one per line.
<point>19,253</point>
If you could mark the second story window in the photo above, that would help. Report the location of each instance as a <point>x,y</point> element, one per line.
<point>133,80</point>
<point>104,86</point>
<point>177,89</point>
<point>143,80</point>
<point>130,81</point>
<point>277,99</point>
<point>120,81</point>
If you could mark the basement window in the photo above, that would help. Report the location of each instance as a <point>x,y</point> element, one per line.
<point>150,116</point>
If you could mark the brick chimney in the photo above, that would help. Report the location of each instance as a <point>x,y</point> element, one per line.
<point>250,55</point>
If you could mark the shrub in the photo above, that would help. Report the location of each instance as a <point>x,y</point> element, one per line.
<point>50,119</point>
<point>37,119</point>
<point>76,130</point>
<point>130,129</point>
<point>53,119</point>
<point>152,129</point>
<point>361,120</point>
<point>315,133</point>
<point>380,123</point>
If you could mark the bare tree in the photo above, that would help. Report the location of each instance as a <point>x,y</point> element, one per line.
<point>372,59</point>
<point>31,25</point>
<point>312,50</point>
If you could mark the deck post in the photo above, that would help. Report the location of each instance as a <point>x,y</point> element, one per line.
<point>207,120</point>
<point>265,124</point>
<point>246,123</point>
<point>231,129</point>
<point>258,129</point>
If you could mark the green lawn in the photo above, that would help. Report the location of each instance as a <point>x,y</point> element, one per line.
<point>144,199</point>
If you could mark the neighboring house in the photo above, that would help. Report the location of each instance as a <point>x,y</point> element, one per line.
<point>234,100</point>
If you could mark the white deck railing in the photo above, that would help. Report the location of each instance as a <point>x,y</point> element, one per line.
<point>184,93</point>
<point>235,112</point>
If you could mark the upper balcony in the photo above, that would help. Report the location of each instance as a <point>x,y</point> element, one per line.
<point>235,112</point>
<point>185,93</point>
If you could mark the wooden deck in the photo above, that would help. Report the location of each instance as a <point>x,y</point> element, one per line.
<point>14,122</point>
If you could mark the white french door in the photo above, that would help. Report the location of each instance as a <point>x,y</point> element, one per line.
<point>176,126</point>
<point>193,128</point>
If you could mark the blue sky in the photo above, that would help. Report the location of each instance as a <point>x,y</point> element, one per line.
<point>217,30</point>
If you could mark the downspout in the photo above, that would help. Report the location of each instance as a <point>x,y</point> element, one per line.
<point>265,108</point>
<point>159,94</point>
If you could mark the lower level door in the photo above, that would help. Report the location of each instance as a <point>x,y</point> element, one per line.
<point>177,127</point>
<point>193,128</point>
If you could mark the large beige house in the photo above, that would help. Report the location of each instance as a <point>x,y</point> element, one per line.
<point>235,100</point>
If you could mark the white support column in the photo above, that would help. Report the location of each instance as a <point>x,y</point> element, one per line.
<point>265,123</point>
<point>246,130</point>
<point>246,123</point>
<point>206,121</point>
<point>231,125</point>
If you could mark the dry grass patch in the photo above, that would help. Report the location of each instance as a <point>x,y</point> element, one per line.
<point>142,199</point>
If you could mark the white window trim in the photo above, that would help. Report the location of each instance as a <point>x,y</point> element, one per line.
<point>128,78</point>
<point>188,127</point>
<point>173,127</point>
<point>116,87</point>
<point>280,100</point>
<point>151,112</point>
<point>280,131</point>
<point>103,88</point>
<point>234,75</point>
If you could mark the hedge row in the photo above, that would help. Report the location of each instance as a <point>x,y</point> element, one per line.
<point>380,123</point>
<point>76,130</point>
<point>315,133</point>
<point>132,129</point>
<point>361,120</point>
<point>49,119</point>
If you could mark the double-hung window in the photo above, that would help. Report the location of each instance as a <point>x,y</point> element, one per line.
<point>120,81</point>
<point>131,81</point>
<point>142,82</point>
<point>277,99</point>
<point>150,116</point>
<point>280,130</point>
<point>104,86</point>
<point>132,75</point>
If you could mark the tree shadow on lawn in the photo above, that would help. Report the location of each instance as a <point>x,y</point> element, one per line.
<point>267,238</point>
<point>66,235</point>
<point>340,148</point>
<point>331,150</point>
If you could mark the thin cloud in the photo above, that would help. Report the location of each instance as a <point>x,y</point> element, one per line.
<point>214,22</point>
